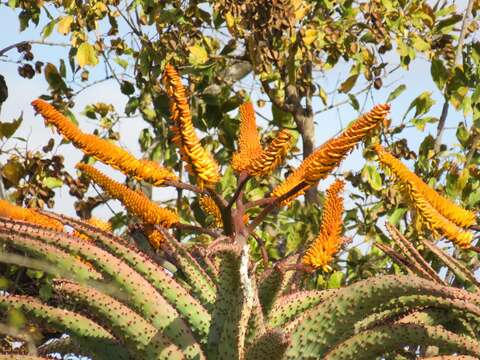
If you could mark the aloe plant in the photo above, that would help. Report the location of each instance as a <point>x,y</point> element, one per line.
<point>115,301</point>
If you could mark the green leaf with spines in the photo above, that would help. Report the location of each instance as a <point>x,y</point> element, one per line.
<point>148,302</point>
<point>376,342</point>
<point>140,336</point>
<point>171,290</point>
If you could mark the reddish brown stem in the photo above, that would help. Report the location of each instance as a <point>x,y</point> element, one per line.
<point>263,250</point>
<point>260,202</point>
<point>197,229</point>
<point>273,205</point>
<point>242,180</point>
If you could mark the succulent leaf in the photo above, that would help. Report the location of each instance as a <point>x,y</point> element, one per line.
<point>373,343</point>
<point>128,326</point>
<point>270,346</point>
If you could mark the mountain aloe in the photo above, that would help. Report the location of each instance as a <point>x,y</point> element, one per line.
<point>112,300</point>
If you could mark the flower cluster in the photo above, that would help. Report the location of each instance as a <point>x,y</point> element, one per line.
<point>326,158</point>
<point>250,156</point>
<point>104,150</point>
<point>249,146</point>
<point>320,254</point>
<point>15,212</point>
<point>438,213</point>
<point>209,207</point>
<point>137,203</point>
<point>200,163</point>
<point>272,156</point>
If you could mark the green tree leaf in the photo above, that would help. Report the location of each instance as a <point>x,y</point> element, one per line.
<point>396,93</point>
<point>8,129</point>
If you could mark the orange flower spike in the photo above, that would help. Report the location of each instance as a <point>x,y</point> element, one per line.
<point>135,202</point>
<point>209,207</point>
<point>436,222</point>
<point>154,236</point>
<point>322,251</point>
<point>271,158</point>
<point>103,150</point>
<point>447,208</point>
<point>249,146</point>
<point>327,157</point>
<point>200,163</point>
<point>14,212</point>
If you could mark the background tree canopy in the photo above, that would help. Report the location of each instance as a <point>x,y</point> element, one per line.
<point>309,66</point>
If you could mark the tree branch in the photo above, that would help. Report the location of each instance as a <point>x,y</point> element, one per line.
<point>458,60</point>
<point>260,217</point>
<point>197,229</point>
<point>32,42</point>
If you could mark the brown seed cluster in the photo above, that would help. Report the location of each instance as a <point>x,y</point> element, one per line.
<point>200,163</point>
<point>327,157</point>
<point>104,150</point>
<point>437,212</point>
<point>320,254</point>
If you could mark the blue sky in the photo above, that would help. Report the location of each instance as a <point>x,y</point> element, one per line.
<point>23,91</point>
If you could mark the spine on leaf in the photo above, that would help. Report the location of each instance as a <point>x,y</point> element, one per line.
<point>104,150</point>
<point>200,162</point>
<point>15,212</point>
<point>438,213</point>
<point>320,254</point>
<point>135,202</point>
<point>327,157</point>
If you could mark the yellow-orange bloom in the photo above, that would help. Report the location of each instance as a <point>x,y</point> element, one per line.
<point>447,208</point>
<point>272,156</point>
<point>209,207</point>
<point>98,223</point>
<point>327,157</point>
<point>439,214</point>
<point>154,236</point>
<point>103,150</point>
<point>137,203</point>
<point>14,212</point>
<point>320,254</point>
<point>200,162</point>
<point>249,146</point>
<point>438,223</point>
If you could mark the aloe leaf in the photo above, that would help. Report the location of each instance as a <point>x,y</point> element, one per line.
<point>148,301</point>
<point>131,328</point>
<point>333,320</point>
<point>460,271</point>
<point>196,315</point>
<point>405,304</point>
<point>61,260</point>
<point>61,319</point>
<point>287,307</point>
<point>270,346</point>
<point>382,339</point>
<point>201,284</point>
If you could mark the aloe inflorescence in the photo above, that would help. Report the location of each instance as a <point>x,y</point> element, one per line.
<point>208,299</point>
